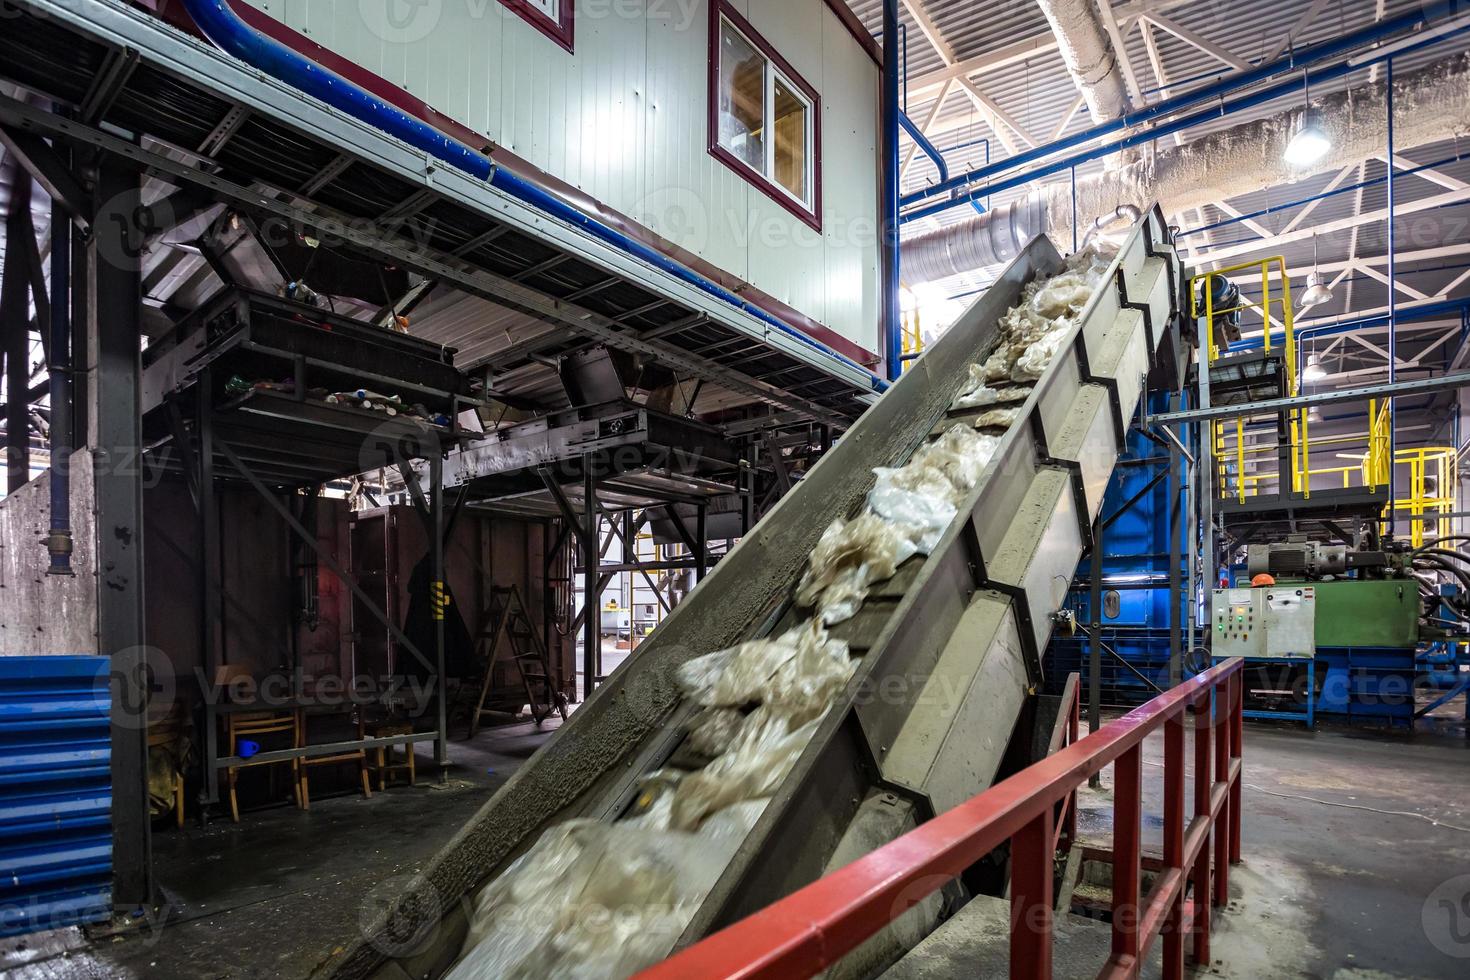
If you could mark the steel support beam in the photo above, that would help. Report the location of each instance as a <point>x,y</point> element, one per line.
<point>15,326</point>
<point>1424,386</point>
<point>119,509</point>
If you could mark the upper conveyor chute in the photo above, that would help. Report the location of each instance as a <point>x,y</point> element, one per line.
<point>949,648</point>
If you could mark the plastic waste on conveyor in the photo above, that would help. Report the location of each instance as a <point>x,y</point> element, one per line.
<point>939,653</point>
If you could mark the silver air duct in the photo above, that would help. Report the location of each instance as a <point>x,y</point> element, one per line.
<point>1089,55</point>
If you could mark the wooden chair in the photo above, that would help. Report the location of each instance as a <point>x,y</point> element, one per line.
<point>303,795</point>
<point>239,725</point>
<point>167,732</point>
<point>385,758</point>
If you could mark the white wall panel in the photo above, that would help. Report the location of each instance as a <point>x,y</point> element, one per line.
<point>625,120</point>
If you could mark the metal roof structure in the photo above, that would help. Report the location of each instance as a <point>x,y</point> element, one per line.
<point>985,81</point>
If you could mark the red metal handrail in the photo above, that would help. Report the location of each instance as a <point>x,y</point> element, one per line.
<point>810,930</point>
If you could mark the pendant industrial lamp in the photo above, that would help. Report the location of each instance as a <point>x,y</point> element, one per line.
<point>1309,140</point>
<point>1318,292</point>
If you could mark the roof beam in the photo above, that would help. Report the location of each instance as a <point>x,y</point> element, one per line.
<point>1027,48</point>
<point>1332,185</point>
<point>1302,23</point>
<point>1191,38</point>
<point>1118,35</point>
<point>1001,123</point>
<point>1342,224</point>
<point>1433,176</point>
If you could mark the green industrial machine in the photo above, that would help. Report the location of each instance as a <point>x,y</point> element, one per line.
<point>1363,610</point>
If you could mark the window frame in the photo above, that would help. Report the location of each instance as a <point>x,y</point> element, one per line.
<point>810,214</point>
<point>562,30</point>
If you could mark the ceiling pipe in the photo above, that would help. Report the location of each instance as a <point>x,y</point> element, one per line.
<point>1434,106</point>
<point>1089,55</point>
<point>230,33</point>
<point>1419,19</point>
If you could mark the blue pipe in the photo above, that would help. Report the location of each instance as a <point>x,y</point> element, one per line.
<point>926,145</point>
<point>892,314</point>
<point>1293,60</point>
<point>224,27</point>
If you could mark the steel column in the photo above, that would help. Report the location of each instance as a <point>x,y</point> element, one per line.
<point>59,543</point>
<point>119,506</point>
<point>15,332</point>
<point>892,275</point>
<point>1392,307</point>
<point>439,600</point>
<point>591,588</point>
<point>1094,638</point>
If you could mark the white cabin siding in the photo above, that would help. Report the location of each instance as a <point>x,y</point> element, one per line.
<point>624,119</point>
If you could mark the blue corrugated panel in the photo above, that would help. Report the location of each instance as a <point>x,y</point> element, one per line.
<point>55,793</point>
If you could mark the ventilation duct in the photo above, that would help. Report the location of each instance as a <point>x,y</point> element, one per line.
<point>1431,105</point>
<point>1089,55</point>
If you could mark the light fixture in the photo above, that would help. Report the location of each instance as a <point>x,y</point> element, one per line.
<point>1318,292</point>
<point>1314,371</point>
<point>1309,141</point>
<point>1314,414</point>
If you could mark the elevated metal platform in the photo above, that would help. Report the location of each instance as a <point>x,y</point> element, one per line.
<point>203,122</point>
<point>972,617</point>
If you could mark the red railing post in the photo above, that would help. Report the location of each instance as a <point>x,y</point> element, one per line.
<point>812,929</point>
<point>1202,784</point>
<point>1223,723</point>
<point>1174,843</point>
<point>1127,831</point>
<point>1032,868</point>
<point>1237,745</point>
<point>1074,732</point>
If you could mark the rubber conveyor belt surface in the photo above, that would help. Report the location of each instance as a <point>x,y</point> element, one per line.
<point>949,648</point>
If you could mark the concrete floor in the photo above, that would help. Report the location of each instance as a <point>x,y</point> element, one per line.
<point>1352,843</point>
<point>273,895</point>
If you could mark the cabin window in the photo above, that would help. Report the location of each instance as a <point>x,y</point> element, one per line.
<point>764,118</point>
<point>551,17</point>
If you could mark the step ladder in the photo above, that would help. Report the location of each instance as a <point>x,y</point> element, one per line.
<point>509,627</point>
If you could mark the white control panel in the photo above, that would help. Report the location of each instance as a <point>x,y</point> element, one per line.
<point>1277,621</point>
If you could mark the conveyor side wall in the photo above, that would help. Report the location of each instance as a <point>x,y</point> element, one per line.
<point>631,724</point>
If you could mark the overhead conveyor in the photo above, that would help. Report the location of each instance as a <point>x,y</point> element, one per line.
<point>950,649</point>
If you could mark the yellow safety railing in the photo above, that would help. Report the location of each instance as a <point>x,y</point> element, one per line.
<point>912,338</point>
<point>1275,291</point>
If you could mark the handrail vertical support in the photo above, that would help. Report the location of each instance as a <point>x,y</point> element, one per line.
<point>1127,852</point>
<point>1222,724</point>
<point>1174,844</point>
<point>1237,743</point>
<point>1032,869</point>
<point>1202,786</point>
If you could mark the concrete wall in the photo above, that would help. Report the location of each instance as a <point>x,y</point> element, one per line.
<point>624,119</point>
<point>40,613</point>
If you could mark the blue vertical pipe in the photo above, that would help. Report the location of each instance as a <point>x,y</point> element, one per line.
<point>892,330</point>
<point>223,26</point>
<point>59,542</point>
<point>1392,312</point>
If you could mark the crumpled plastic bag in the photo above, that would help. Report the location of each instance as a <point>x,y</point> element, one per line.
<point>797,674</point>
<point>849,557</point>
<point>715,731</point>
<point>754,768</point>
<point>591,900</point>
<point>919,498</point>
<point>997,418</point>
<point>1032,331</point>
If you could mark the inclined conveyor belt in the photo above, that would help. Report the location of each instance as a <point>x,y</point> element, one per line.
<point>949,649</point>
